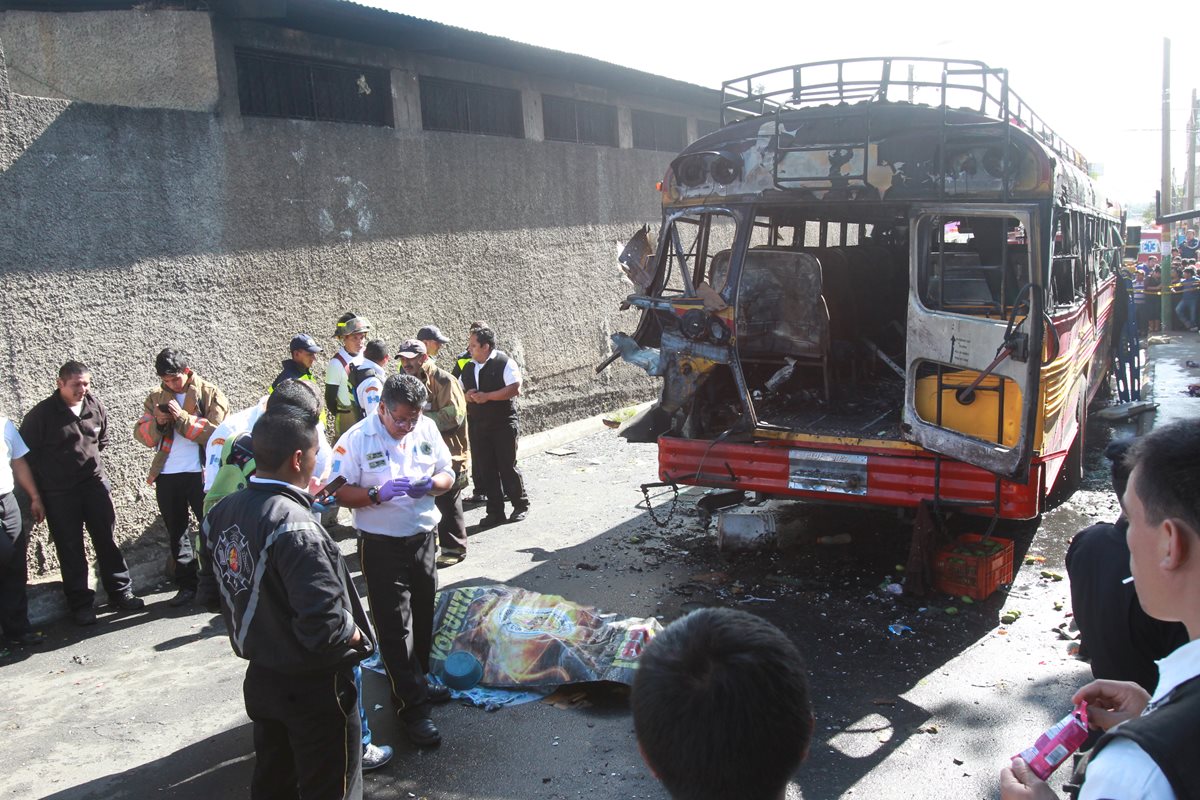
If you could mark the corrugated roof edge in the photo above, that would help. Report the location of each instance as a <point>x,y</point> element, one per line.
<point>355,21</point>
<point>469,45</point>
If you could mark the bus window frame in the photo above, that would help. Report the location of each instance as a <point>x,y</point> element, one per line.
<point>931,337</point>
<point>923,230</point>
<point>701,259</point>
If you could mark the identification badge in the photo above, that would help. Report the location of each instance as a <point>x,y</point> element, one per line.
<point>376,460</point>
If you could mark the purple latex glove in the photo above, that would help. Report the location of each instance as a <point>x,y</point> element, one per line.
<point>396,487</point>
<point>420,487</point>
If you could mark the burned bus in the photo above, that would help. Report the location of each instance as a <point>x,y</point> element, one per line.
<point>881,281</point>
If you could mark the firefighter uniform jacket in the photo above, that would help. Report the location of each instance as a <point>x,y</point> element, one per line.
<point>286,593</point>
<point>204,407</point>
<point>447,407</point>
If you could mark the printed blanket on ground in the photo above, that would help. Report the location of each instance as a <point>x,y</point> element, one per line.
<point>526,639</point>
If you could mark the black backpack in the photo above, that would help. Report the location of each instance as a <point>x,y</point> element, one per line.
<point>358,374</point>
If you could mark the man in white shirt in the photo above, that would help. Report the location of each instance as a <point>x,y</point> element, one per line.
<point>367,377</point>
<point>1149,748</point>
<point>14,539</point>
<point>492,383</point>
<point>394,463</point>
<point>218,453</point>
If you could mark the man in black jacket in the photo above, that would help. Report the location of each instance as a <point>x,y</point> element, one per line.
<point>65,434</point>
<point>291,611</point>
<point>492,383</point>
<point>304,350</point>
<point>1121,640</point>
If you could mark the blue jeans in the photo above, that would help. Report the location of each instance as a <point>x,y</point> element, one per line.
<point>1186,309</point>
<point>362,706</point>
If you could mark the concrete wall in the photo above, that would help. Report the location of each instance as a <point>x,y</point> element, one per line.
<point>163,59</point>
<point>124,230</point>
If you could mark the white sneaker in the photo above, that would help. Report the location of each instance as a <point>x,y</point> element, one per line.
<point>375,757</point>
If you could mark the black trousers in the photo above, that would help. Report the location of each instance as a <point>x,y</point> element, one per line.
<point>401,576</point>
<point>494,454</point>
<point>452,529</point>
<point>177,493</point>
<point>14,569</point>
<point>67,513</point>
<point>307,735</point>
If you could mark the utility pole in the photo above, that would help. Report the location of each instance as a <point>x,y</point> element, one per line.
<point>1167,194</point>
<point>1191,157</point>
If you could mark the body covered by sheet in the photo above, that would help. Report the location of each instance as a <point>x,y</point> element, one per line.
<point>526,639</point>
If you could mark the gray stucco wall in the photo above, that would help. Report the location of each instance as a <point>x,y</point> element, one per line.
<point>124,230</point>
<point>160,59</point>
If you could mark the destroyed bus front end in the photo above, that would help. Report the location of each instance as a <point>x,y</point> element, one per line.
<point>873,302</point>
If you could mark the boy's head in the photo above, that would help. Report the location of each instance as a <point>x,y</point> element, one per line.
<point>721,708</point>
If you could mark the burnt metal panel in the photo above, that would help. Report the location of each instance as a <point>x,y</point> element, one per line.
<point>826,472</point>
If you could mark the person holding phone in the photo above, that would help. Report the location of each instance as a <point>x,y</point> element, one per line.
<point>179,419</point>
<point>395,463</point>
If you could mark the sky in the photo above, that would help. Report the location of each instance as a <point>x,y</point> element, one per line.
<point>1098,83</point>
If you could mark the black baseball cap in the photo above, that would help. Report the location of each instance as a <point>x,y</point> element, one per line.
<point>431,333</point>
<point>303,341</point>
<point>411,348</point>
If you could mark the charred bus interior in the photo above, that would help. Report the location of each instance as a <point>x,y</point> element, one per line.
<point>818,297</point>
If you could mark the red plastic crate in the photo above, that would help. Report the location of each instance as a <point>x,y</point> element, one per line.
<point>962,573</point>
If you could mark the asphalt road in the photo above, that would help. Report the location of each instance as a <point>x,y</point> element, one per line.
<point>149,704</point>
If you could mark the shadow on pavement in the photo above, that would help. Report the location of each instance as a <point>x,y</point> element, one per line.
<point>219,766</point>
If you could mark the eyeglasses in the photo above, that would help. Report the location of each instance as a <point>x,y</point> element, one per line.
<point>403,423</point>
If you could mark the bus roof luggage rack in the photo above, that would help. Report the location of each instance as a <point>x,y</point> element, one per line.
<point>939,83</point>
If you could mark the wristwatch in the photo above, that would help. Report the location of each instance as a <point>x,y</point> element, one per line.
<point>373,495</point>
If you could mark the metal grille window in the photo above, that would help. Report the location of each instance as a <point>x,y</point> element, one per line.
<point>470,108</point>
<point>271,85</point>
<point>653,131</point>
<point>568,120</point>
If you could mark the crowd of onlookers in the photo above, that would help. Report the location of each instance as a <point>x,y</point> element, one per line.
<point>1182,289</point>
